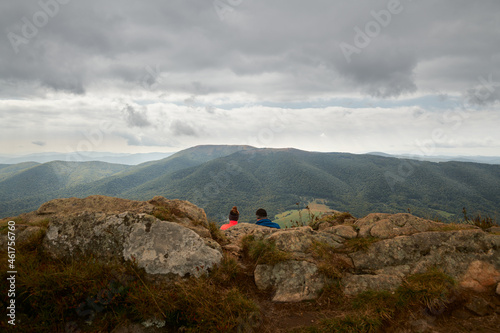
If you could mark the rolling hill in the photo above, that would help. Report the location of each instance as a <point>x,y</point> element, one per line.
<point>218,177</point>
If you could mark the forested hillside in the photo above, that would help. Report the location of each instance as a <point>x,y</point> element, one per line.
<point>218,177</point>
<point>360,184</point>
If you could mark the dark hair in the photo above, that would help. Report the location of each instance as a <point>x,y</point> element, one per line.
<point>234,214</point>
<point>261,213</point>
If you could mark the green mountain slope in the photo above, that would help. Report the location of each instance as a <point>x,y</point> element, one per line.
<point>361,184</point>
<point>120,184</point>
<point>27,188</point>
<point>219,177</point>
<point>25,191</point>
<point>9,170</point>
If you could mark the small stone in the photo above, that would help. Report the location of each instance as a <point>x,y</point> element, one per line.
<point>479,306</point>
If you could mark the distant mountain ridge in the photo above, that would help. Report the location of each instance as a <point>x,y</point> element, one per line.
<point>217,177</point>
<point>128,159</point>
<point>444,158</point>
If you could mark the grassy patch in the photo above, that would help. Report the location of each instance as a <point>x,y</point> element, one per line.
<point>357,244</point>
<point>380,304</point>
<point>452,227</point>
<point>432,290</point>
<point>163,213</point>
<point>370,311</point>
<point>263,251</point>
<point>330,263</point>
<point>217,234</point>
<point>353,323</point>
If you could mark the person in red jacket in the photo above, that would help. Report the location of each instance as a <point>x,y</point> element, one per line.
<point>234,215</point>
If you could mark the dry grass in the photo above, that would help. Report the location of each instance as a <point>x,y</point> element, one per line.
<point>263,252</point>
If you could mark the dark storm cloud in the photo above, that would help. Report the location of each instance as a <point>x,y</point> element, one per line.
<point>299,48</point>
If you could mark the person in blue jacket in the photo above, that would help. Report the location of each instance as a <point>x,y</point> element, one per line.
<point>264,221</point>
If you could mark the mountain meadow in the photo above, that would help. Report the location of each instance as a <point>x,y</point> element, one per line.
<point>282,181</point>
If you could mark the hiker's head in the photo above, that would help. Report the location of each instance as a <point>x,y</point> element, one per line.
<point>261,213</point>
<point>234,214</point>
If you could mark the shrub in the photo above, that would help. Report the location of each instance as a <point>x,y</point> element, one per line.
<point>217,234</point>
<point>479,221</point>
<point>357,244</point>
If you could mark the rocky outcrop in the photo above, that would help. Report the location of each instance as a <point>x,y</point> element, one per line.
<point>470,256</point>
<point>170,237</point>
<point>401,245</point>
<point>181,246</point>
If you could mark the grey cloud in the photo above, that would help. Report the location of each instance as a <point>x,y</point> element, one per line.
<point>292,45</point>
<point>181,128</point>
<point>39,143</point>
<point>136,118</point>
<point>147,140</point>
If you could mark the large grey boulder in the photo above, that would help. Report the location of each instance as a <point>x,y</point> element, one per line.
<point>160,247</point>
<point>169,248</point>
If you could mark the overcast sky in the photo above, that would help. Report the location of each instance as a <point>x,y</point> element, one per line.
<point>420,77</point>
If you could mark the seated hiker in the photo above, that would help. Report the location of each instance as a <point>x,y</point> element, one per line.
<point>263,220</point>
<point>233,219</point>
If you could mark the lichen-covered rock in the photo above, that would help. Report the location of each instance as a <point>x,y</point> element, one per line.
<point>295,240</point>
<point>454,252</point>
<point>237,232</point>
<point>293,281</point>
<point>159,247</point>
<point>344,231</point>
<point>169,248</point>
<point>388,226</point>
<point>181,211</point>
